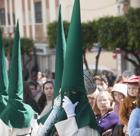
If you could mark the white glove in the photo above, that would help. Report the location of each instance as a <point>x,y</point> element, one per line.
<point>69,107</point>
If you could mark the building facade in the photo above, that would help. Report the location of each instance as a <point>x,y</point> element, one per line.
<point>33,17</point>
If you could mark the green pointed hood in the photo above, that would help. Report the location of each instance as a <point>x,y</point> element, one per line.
<point>59,60</point>
<point>72,81</point>
<point>60,50</point>
<point>17,114</point>
<point>73,67</point>
<point>3,77</point>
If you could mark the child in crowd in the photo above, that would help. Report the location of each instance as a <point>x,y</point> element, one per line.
<point>106,117</point>
<point>129,103</point>
<point>119,92</point>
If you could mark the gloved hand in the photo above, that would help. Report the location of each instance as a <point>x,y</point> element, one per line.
<point>69,107</point>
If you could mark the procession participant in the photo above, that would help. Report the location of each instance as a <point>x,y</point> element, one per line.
<point>3,85</point>
<point>3,78</point>
<point>18,117</point>
<point>59,63</point>
<point>75,103</point>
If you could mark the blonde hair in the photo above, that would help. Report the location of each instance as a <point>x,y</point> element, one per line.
<point>96,109</point>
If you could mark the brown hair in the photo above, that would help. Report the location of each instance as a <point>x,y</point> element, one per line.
<point>138,99</point>
<point>96,109</point>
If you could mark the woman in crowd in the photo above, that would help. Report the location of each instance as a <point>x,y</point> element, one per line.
<point>129,103</point>
<point>92,98</point>
<point>46,100</point>
<point>134,120</point>
<point>119,92</point>
<point>106,117</point>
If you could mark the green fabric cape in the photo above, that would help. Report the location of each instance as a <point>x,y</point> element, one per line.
<point>60,51</point>
<point>3,78</point>
<point>59,60</point>
<point>72,81</point>
<point>17,114</point>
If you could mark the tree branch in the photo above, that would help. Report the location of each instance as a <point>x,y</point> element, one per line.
<point>97,60</point>
<point>132,61</point>
<point>85,61</point>
<point>136,56</point>
<point>133,52</point>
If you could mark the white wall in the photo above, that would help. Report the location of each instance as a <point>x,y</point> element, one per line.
<point>90,9</point>
<point>135,3</point>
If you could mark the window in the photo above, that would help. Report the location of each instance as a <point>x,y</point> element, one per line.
<point>2,16</point>
<point>38,12</point>
<point>14,18</point>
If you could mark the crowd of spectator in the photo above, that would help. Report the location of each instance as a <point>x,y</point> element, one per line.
<point>112,105</point>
